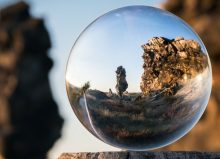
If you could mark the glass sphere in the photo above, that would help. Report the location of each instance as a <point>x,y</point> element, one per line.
<point>138,78</point>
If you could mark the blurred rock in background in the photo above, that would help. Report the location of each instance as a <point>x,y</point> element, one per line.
<point>204,17</point>
<point>29,118</point>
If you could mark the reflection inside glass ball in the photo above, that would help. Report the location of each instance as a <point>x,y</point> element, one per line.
<point>138,78</point>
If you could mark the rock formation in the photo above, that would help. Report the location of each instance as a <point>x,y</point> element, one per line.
<point>122,84</point>
<point>169,63</point>
<point>29,118</point>
<point>203,16</point>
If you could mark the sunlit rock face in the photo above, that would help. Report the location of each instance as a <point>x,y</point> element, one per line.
<point>29,119</point>
<point>138,78</point>
<point>170,64</point>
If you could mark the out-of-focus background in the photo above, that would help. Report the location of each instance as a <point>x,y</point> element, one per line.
<point>36,120</point>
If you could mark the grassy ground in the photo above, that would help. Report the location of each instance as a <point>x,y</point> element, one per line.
<point>143,123</point>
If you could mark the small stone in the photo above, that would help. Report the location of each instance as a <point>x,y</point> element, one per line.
<point>182,54</point>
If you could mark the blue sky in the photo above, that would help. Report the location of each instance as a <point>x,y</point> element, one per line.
<point>66,19</point>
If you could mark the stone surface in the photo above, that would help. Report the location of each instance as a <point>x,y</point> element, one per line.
<point>170,63</point>
<point>141,155</point>
<point>29,118</point>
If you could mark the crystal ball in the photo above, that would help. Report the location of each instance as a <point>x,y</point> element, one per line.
<point>138,78</point>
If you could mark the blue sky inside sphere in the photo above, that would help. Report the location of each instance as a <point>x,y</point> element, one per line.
<point>115,39</point>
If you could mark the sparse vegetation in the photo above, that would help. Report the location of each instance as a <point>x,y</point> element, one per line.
<point>85,87</point>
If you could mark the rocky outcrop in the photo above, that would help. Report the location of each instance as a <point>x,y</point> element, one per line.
<point>140,155</point>
<point>29,119</point>
<point>168,64</point>
<point>122,84</point>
